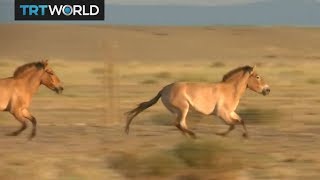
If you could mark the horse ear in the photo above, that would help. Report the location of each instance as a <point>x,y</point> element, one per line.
<point>45,62</point>
<point>253,68</point>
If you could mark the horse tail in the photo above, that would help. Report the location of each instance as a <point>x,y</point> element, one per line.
<point>141,107</point>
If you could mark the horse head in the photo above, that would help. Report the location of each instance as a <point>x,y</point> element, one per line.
<point>50,79</point>
<point>257,84</point>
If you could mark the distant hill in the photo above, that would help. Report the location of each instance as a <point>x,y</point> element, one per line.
<point>157,44</point>
<point>274,12</point>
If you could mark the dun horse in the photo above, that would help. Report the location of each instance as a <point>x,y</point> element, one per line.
<point>16,92</point>
<point>220,99</point>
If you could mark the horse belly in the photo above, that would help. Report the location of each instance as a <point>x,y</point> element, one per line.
<point>203,105</point>
<point>202,98</point>
<point>3,104</point>
<point>3,107</point>
<point>6,90</point>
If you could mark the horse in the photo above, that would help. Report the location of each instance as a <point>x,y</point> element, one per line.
<point>220,99</point>
<point>17,91</point>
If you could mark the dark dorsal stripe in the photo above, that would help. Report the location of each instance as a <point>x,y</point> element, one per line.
<point>234,71</point>
<point>21,69</point>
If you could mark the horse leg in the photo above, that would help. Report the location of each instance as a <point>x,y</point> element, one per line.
<point>33,120</point>
<point>21,119</point>
<point>231,127</point>
<point>228,119</point>
<point>232,119</point>
<point>182,118</point>
<point>180,108</point>
<point>177,124</point>
<point>238,118</point>
<point>245,133</point>
<point>177,113</point>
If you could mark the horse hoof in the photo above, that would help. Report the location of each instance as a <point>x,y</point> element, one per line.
<point>31,136</point>
<point>192,135</point>
<point>221,134</point>
<point>245,135</point>
<point>12,134</point>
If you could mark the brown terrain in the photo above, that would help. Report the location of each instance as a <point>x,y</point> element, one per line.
<point>107,70</point>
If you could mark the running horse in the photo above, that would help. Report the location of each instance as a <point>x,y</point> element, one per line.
<point>16,92</point>
<point>220,99</point>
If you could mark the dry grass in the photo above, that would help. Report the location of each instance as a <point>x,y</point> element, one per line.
<point>218,64</point>
<point>149,81</point>
<point>80,133</point>
<point>313,81</point>
<point>212,157</point>
<point>98,71</point>
<point>164,119</point>
<point>207,154</point>
<point>151,164</point>
<point>163,75</point>
<point>260,116</point>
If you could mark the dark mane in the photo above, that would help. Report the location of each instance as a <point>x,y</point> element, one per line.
<point>234,71</point>
<point>23,68</point>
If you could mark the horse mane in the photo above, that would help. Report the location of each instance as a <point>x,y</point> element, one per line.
<point>236,70</point>
<point>21,69</point>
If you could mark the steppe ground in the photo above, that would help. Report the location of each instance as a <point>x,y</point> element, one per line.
<point>107,70</point>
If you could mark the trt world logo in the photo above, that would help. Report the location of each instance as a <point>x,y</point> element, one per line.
<point>59,9</point>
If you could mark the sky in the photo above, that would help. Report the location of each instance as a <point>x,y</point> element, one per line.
<point>214,12</point>
<point>200,12</point>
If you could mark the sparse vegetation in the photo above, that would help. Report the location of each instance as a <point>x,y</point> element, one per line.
<point>194,77</point>
<point>160,34</point>
<point>150,164</point>
<point>80,131</point>
<point>165,119</point>
<point>217,64</point>
<point>259,64</point>
<point>163,75</point>
<point>292,73</point>
<point>189,156</point>
<point>97,70</point>
<point>4,64</point>
<point>202,154</point>
<point>259,116</point>
<point>271,56</point>
<point>149,81</point>
<point>313,81</point>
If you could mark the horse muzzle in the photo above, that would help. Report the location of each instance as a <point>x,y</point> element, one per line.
<point>58,90</point>
<point>266,91</point>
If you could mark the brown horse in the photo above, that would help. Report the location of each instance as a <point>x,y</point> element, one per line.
<point>220,99</point>
<point>16,92</point>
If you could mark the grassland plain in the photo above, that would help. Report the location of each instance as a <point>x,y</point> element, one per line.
<point>81,132</point>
